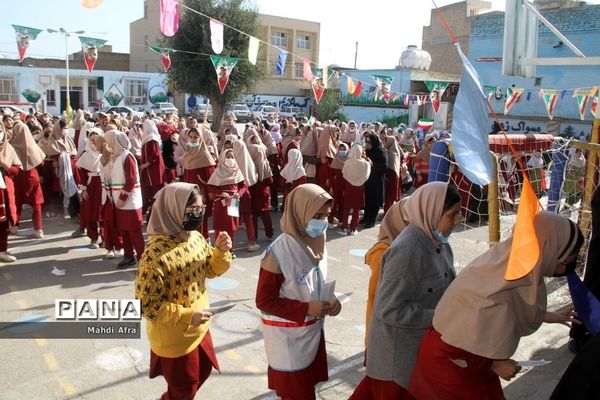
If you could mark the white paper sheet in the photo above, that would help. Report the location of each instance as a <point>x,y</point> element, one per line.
<point>532,363</point>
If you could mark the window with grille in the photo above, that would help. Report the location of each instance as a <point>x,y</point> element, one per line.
<point>136,91</point>
<point>50,97</point>
<point>299,70</point>
<point>303,42</point>
<point>279,39</point>
<point>8,88</point>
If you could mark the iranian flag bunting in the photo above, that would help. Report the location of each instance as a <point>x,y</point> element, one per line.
<point>550,98</point>
<point>25,35</point>
<point>513,95</point>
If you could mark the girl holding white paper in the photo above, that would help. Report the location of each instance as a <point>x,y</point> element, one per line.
<point>225,186</point>
<point>294,295</point>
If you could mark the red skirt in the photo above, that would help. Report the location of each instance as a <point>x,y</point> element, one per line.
<point>185,374</point>
<point>435,376</point>
<point>27,188</point>
<point>301,384</point>
<point>261,194</point>
<point>374,389</point>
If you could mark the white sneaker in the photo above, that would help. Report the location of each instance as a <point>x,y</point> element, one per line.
<point>94,245</point>
<point>110,254</point>
<point>341,231</point>
<point>253,247</point>
<point>330,226</point>
<point>353,233</point>
<point>39,234</point>
<point>119,253</point>
<point>14,230</point>
<point>7,257</point>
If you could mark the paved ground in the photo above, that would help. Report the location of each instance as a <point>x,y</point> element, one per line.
<point>118,369</point>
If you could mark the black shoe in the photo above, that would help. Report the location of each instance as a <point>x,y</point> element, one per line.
<point>126,263</point>
<point>574,346</point>
<point>369,225</point>
<point>79,232</point>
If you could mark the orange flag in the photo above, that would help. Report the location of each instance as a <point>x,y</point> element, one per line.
<point>351,86</point>
<point>525,250</point>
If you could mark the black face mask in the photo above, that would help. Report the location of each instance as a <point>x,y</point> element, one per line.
<point>192,221</point>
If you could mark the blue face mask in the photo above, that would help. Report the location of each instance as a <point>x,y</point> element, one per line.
<point>192,144</point>
<point>439,236</point>
<point>342,153</point>
<point>316,227</point>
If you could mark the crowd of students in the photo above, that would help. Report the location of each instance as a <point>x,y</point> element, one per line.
<point>108,172</point>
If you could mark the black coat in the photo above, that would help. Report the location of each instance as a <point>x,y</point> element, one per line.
<point>376,182</point>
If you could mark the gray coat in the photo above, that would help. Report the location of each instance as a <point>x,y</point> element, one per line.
<point>414,275</point>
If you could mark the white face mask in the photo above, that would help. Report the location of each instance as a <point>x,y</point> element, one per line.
<point>1,136</point>
<point>230,162</point>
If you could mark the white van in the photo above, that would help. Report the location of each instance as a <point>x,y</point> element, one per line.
<point>164,108</point>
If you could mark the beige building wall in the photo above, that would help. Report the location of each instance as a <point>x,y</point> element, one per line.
<point>145,32</point>
<point>292,35</point>
<point>289,34</point>
<point>444,57</point>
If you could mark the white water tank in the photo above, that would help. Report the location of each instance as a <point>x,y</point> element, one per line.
<point>415,58</point>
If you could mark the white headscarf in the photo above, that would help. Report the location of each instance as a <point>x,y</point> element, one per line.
<point>150,132</point>
<point>293,169</point>
<point>224,175</point>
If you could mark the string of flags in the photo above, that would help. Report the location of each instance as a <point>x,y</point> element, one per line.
<point>318,78</point>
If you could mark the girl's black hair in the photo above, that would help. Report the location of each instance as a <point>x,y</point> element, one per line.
<point>193,196</point>
<point>452,198</point>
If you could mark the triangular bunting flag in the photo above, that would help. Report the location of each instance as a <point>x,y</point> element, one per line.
<point>490,90</point>
<point>358,89</point>
<point>169,17</point>
<point>525,249</point>
<point>25,35</point>
<point>594,109</point>
<point>317,83</point>
<point>281,60</point>
<point>396,97</point>
<point>550,98</point>
<point>253,46</point>
<point>406,99</point>
<point>216,35</point>
<point>307,73</point>
<point>90,47</point>
<point>582,96</point>
<point>165,56</point>
<point>325,77</point>
<point>586,304</point>
<point>223,67</point>
<point>351,86</point>
<point>384,86</point>
<point>513,95</point>
<point>436,90</point>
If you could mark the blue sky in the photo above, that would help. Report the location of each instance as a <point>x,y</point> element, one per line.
<point>382,28</point>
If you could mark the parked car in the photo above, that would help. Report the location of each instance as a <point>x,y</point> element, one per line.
<point>123,110</point>
<point>164,108</point>
<point>241,112</point>
<point>198,112</point>
<point>15,110</point>
<point>296,112</point>
<point>263,112</point>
